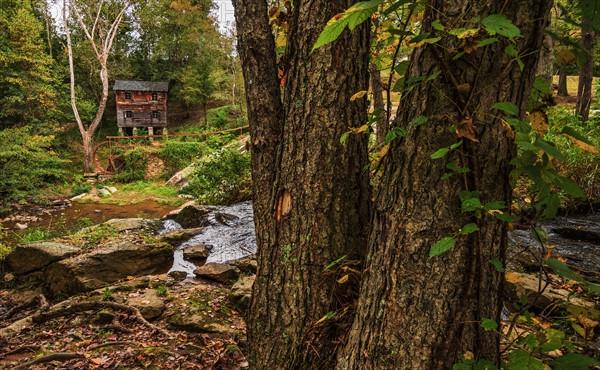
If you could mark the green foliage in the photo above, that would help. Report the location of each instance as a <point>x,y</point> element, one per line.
<point>499,24</point>
<point>162,290</point>
<point>223,179</point>
<point>34,235</point>
<point>579,143</point>
<point>27,164</point>
<point>80,186</point>
<point>351,18</point>
<point>177,154</point>
<point>442,246</point>
<point>107,295</point>
<point>136,164</point>
<point>27,92</point>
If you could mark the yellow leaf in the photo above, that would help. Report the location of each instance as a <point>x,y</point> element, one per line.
<point>583,146</point>
<point>469,355</point>
<point>281,40</point>
<point>343,279</point>
<point>358,95</point>
<point>539,121</point>
<point>587,323</point>
<point>360,129</point>
<point>350,269</point>
<point>130,277</point>
<point>382,153</point>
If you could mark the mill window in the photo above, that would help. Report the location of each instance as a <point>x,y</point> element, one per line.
<point>128,114</point>
<point>128,95</point>
<point>154,95</point>
<point>155,114</point>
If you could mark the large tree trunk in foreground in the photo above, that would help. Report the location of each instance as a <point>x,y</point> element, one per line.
<point>420,313</point>
<point>311,193</point>
<point>586,73</point>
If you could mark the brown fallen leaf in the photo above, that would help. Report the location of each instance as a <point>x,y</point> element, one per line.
<point>467,129</point>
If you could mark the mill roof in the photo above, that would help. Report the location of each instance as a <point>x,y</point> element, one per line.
<point>141,85</point>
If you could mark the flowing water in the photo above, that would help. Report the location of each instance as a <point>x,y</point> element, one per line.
<point>576,238</point>
<point>230,231</point>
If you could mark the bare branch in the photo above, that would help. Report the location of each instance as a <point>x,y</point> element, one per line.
<point>71,68</point>
<point>112,32</point>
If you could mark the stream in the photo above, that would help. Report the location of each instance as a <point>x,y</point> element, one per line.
<point>230,231</point>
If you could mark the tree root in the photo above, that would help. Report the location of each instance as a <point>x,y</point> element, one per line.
<point>110,344</point>
<point>51,357</point>
<point>40,300</point>
<point>28,347</point>
<point>89,306</point>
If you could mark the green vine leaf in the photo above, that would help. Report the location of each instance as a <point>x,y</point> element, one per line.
<point>351,18</point>
<point>442,246</point>
<point>486,42</point>
<point>497,264</point>
<point>469,229</point>
<point>550,149</point>
<point>499,24</point>
<point>574,361</point>
<point>522,360</point>
<point>440,153</point>
<point>507,107</point>
<point>394,133</point>
<point>437,25</point>
<point>569,187</point>
<point>419,121</point>
<point>563,270</point>
<point>489,324</point>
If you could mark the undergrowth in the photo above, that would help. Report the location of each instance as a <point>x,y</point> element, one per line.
<point>582,166</point>
<point>223,179</point>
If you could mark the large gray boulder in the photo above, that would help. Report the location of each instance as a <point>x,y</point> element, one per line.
<point>247,265</point>
<point>35,256</point>
<point>176,237</point>
<point>220,272</point>
<point>241,292</point>
<point>106,264</point>
<point>191,215</point>
<point>197,252</point>
<point>124,224</point>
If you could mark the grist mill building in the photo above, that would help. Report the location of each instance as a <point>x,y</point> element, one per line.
<point>141,104</point>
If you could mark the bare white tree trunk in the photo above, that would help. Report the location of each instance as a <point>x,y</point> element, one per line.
<point>101,43</point>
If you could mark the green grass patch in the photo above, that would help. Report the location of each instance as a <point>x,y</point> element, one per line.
<point>582,166</point>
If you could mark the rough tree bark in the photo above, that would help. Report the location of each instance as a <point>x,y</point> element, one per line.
<point>420,313</point>
<point>562,82</point>
<point>586,73</point>
<point>311,194</point>
<point>378,104</point>
<point>546,63</point>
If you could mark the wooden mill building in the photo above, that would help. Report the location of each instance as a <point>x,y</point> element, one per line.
<point>141,104</point>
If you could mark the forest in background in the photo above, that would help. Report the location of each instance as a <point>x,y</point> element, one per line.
<point>174,41</point>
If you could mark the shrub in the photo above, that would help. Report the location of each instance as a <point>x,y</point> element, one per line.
<point>34,235</point>
<point>178,155</point>
<point>223,179</point>
<point>135,166</point>
<point>80,186</point>
<point>27,164</point>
